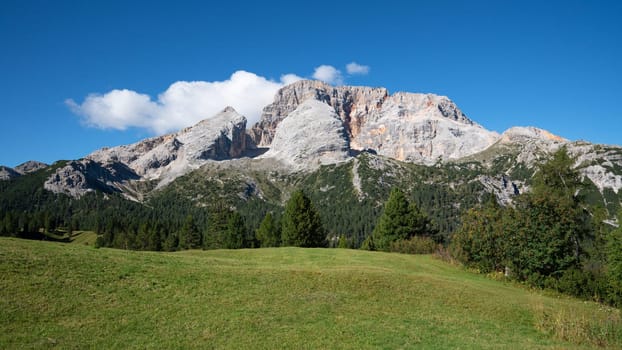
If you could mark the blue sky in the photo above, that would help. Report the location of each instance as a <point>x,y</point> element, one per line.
<point>551,64</point>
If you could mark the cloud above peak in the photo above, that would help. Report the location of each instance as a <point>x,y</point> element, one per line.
<point>328,74</point>
<point>185,103</point>
<point>355,68</point>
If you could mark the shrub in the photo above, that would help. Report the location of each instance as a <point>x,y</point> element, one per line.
<point>414,245</point>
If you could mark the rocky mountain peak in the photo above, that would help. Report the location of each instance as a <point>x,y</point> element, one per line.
<point>405,126</point>
<point>7,173</point>
<point>353,104</point>
<point>521,134</point>
<point>30,167</point>
<point>161,158</point>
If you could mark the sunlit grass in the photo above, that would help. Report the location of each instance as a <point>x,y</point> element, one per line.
<point>74,296</point>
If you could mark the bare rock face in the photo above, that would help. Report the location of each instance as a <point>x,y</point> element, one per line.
<point>352,104</point>
<point>501,186</point>
<point>534,144</point>
<point>80,177</point>
<point>167,157</point>
<point>30,167</point>
<point>599,163</point>
<point>311,135</point>
<point>161,158</point>
<point>7,173</point>
<point>411,127</point>
<point>422,128</point>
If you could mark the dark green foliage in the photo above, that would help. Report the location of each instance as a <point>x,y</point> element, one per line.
<point>400,220</point>
<point>548,239</point>
<point>189,235</point>
<point>217,227</point>
<point>301,225</point>
<point>542,238</point>
<point>396,221</point>
<point>235,236</point>
<point>269,232</point>
<point>614,264</point>
<point>479,242</point>
<point>414,245</point>
<point>546,227</point>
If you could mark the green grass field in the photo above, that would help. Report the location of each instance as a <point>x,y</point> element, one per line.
<point>55,295</point>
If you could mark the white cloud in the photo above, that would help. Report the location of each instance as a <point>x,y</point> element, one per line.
<point>184,103</point>
<point>328,74</point>
<point>290,78</point>
<point>355,68</point>
<point>116,109</point>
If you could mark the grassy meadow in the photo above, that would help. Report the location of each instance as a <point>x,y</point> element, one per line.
<point>55,295</point>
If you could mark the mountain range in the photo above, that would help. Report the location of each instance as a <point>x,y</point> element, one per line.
<point>312,128</point>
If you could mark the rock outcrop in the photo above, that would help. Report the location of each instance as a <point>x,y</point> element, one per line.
<point>30,167</point>
<point>411,127</point>
<point>311,135</point>
<point>167,157</point>
<point>7,173</point>
<point>79,177</point>
<point>161,159</point>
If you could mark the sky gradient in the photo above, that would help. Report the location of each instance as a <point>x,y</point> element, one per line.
<point>556,65</point>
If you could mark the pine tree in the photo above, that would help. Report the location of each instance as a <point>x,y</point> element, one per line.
<point>301,223</point>
<point>217,227</point>
<point>235,236</point>
<point>189,235</point>
<point>269,233</point>
<point>399,220</point>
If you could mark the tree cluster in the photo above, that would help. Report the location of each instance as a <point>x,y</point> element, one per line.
<point>400,221</point>
<point>547,239</point>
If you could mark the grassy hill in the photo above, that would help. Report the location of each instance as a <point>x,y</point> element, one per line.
<point>74,296</point>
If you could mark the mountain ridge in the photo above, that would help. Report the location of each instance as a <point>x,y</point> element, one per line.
<point>311,123</point>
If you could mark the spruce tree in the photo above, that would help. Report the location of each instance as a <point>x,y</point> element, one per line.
<point>235,235</point>
<point>301,223</point>
<point>399,220</point>
<point>268,233</point>
<point>189,236</point>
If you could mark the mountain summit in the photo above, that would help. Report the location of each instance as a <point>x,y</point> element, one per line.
<point>310,124</point>
<point>411,127</point>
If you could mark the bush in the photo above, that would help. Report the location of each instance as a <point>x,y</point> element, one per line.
<point>414,245</point>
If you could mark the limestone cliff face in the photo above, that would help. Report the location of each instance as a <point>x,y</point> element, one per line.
<point>161,158</point>
<point>311,135</point>
<point>411,127</point>
<point>166,157</point>
<point>353,105</point>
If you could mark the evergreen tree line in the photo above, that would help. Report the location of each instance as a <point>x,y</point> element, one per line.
<point>549,238</point>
